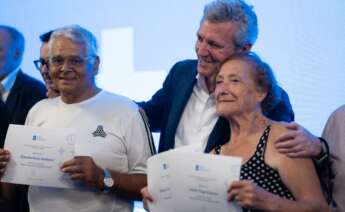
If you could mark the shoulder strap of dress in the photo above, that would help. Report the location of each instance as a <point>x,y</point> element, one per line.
<point>261,147</point>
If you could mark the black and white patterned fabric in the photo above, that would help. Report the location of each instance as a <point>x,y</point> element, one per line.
<point>256,170</point>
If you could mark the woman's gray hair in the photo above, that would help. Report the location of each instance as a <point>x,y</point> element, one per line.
<point>263,77</point>
<point>79,35</point>
<point>238,11</point>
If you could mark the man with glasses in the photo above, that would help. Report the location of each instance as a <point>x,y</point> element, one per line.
<point>42,65</point>
<point>112,176</point>
<point>19,92</point>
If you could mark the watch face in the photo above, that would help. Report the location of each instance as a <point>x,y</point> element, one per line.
<point>108,180</point>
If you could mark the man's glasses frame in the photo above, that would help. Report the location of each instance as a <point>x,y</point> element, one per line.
<point>40,62</point>
<point>58,61</point>
<point>74,61</point>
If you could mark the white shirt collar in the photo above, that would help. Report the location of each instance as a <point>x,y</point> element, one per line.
<point>202,87</point>
<point>198,118</point>
<point>201,83</point>
<point>8,82</point>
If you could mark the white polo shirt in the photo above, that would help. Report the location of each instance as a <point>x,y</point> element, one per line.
<point>125,149</point>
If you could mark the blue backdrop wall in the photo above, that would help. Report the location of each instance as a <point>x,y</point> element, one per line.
<point>303,40</point>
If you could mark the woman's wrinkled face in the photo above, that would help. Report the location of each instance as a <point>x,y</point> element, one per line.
<point>236,92</point>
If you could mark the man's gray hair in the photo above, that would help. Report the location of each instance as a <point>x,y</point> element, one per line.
<point>17,39</point>
<point>220,11</point>
<point>79,35</point>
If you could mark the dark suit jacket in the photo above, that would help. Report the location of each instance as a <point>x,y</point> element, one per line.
<point>166,106</point>
<point>26,91</point>
<point>3,123</point>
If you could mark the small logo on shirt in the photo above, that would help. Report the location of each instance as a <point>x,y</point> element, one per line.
<point>99,132</point>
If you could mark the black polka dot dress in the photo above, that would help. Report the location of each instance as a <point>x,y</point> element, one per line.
<point>256,170</point>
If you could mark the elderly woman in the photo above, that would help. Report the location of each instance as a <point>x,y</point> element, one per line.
<point>269,180</point>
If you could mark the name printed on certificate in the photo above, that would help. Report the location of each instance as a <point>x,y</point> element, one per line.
<point>37,154</point>
<point>180,181</point>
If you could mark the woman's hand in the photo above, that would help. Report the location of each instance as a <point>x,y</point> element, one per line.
<point>248,195</point>
<point>146,197</point>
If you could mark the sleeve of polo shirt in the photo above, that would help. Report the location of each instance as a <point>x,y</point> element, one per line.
<point>137,144</point>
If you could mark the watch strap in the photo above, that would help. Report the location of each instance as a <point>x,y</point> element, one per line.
<point>108,181</point>
<point>324,151</point>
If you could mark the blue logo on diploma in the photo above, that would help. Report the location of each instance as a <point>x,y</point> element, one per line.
<point>37,138</point>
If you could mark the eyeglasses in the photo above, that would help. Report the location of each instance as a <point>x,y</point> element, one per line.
<point>71,61</point>
<point>39,63</point>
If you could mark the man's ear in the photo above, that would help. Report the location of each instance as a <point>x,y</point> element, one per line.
<point>96,65</point>
<point>17,54</point>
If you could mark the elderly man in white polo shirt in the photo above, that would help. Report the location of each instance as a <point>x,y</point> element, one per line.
<point>113,176</point>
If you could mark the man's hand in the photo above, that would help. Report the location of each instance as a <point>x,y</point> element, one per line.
<point>4,159</point>
<point>298,142</point>
<point>83,168</point>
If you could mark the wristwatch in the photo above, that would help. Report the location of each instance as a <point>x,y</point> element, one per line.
<point>108,181</point>
<point>324,151</point>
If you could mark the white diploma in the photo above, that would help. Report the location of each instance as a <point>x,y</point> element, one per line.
<point>180,181</point>
<point>159,182</point>
<point>37,154</point>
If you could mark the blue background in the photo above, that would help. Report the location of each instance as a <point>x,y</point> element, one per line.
<point>303,40</point>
